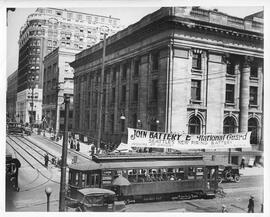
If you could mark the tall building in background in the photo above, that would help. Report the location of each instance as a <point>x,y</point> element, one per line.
<point>183,69</point>
<point>11,97</point>
<point>57,81</point>
<point>45,30</point>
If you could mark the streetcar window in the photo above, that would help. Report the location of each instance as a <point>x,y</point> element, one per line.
<point>180,174</point>
<point>88,179</point>
<point>191,173</point>
<point>83,179</point>
<point>211,173</point>
<point>199,173</point>
<point>97,179</point>
<point>132,175</point>
<point>92,179</point>
<point>76,178</point>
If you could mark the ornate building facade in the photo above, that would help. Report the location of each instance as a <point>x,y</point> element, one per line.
<point>183,69</point>
<point>45,30</point>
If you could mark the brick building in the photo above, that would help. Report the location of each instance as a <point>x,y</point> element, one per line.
<point>45,30</point>
<point>11,96</point>
<point>183,69</point>
<point>57,81</point>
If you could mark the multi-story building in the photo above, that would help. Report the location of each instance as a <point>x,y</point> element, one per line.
<point>11,96</point>
<point>46,29</point>
<point>57,81</point>
<point>183,69</point>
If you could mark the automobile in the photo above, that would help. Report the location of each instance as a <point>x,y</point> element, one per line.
<point>27,130</point>
<point>93,199</point>
<point>228,173</point>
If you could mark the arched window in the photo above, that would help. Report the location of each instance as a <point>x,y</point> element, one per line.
<point>194,125</point>
<point>253,127</point>
<point>229,125</point>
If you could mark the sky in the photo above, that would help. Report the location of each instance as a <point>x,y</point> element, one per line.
<point>127,15</point>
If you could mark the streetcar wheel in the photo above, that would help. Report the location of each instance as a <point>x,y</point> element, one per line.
<point>237,178</point>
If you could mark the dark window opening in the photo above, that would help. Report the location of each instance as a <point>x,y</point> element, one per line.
<point>155,61</point>
<point>229,93</point>
<point>194,125</point>
<point>253,95</point>
<point>253,127</point>
<point>155,90</point>
<point>229,125</point>
<point>195,89</point>
<point>197,61</point>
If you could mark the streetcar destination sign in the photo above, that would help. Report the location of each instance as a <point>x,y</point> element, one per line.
<point>178,141</point>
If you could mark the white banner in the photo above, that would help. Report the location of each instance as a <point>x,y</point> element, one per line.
<point>143,138</point>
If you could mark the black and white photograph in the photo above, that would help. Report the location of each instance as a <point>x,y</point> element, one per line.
<point>134,107</point>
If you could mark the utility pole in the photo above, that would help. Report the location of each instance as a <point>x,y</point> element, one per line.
<point>101,92</point>
<point>64,157</point>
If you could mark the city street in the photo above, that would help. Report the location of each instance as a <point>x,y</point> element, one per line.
<point>32,197</point>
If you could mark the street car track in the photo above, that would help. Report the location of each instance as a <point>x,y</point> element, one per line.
<point>48,178</point>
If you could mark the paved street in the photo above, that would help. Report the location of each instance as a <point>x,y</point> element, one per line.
<point>32,195</point>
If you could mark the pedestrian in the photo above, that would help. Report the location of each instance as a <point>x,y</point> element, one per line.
<point>251,204</point>
<point>92,149</point>
<point>224,208</point>
<point>53,160</point>
<point>242,164</point>
<point>71,143</point>
<point>46,159</point>
<point>78,146</point>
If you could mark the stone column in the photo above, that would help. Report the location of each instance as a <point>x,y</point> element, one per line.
<point>244,96</point>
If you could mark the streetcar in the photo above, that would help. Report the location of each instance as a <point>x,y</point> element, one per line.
<point>12,168</point>
<point>14,128</point>
<point>147,177</point>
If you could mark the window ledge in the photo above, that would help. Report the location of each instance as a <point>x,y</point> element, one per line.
<point>195,70</point>
<point>254,78</point>
<point>230,104</point>
<point>253,106</point>
<point>230,75</point>
<point>195,101</point>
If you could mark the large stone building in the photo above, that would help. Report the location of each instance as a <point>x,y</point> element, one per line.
<point>44,30</point>
<point>11,96</point>
<point>183,69</point>
<point>57,81</point>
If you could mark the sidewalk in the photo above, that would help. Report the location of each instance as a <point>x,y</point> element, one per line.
<point>252,171</point>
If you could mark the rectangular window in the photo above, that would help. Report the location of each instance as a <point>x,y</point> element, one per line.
<point>253,96</point>
<point>195,90</point>
<point>135,92</point>
<point>230,68</point>
<point>134,121</point>
<point>113,95</point>
<point>229,93</point>
<point>254,70</point>
<point>196,61</point>
<point>69,15</point>
<point>79,17</point>
<point>154,90</point>
<point>114,73</point>
<point>136,67</point>
<point>155,61</point>
<point>124,72</point>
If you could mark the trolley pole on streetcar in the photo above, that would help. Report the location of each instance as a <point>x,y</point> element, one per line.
<point>101,93</point>
<point>64,157</point>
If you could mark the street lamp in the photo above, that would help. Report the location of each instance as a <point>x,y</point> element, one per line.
<point>48,191</point>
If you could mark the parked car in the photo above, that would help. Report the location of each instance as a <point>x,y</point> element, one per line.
<point>93,199</point>
<point>27,130</point>
<point>229,173</point>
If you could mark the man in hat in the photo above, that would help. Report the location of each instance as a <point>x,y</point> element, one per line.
<point>251,204</point>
